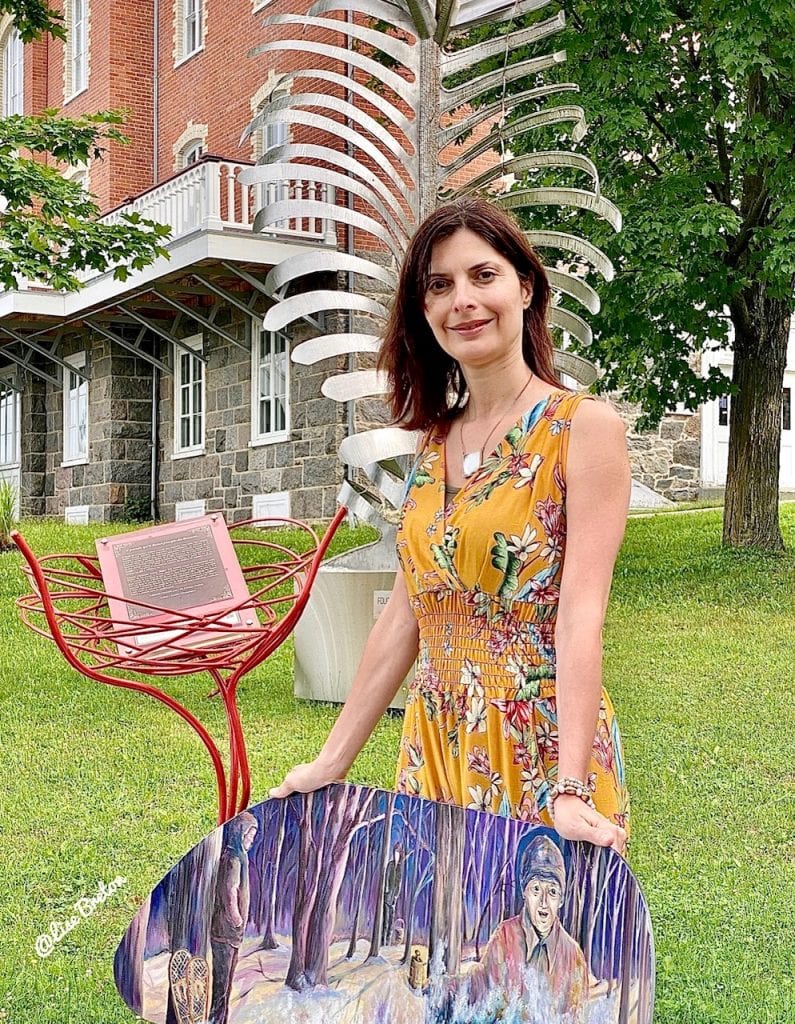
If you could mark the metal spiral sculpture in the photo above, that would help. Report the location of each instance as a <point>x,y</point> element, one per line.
<point>389,167</point>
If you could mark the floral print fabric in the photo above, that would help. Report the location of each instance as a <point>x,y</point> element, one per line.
<point>483,572</point>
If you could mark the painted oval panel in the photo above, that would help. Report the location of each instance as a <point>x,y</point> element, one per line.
<point>354,905</point>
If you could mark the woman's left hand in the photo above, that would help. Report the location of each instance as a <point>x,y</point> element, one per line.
<point>574,819</point>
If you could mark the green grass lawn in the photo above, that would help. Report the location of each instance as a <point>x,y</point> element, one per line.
<point>700,658</point>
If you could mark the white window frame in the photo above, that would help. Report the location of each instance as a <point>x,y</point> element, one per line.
<point>184,389</point>
<point>258,435</point>
<point>13,73</point>
<point>192,153</point>
<point>77,48</point>
<point>190,28</point>
<point>10,428</point>
<point>73,399</point>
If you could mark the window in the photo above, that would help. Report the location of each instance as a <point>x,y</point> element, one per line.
<point>723,411</point>
<point>12,74</point>
<point>9,427</point>
<point>75,412</point>
<point>274,134</point>
<point>786,411</point>
<point>189,400</point>
<point>192,153</point>
<point>270,404</point>
<point>191,27</point>
<point>77,48</point>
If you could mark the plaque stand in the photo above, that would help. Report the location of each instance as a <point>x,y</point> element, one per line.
<point>69,603</point>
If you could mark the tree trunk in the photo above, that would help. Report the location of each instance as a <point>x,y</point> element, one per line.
<point>386,851</point>
<point>761,327</point>
<point>130,960</point>
<point>445,937</point>
<point>268,895</point>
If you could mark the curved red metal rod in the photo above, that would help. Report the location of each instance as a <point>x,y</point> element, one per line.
<point>63,647</point>
<point>249,652</point>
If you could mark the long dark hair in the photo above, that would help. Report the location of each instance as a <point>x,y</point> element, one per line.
<point>422,377</point>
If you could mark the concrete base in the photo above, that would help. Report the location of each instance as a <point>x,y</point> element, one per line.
<point>346,599</point>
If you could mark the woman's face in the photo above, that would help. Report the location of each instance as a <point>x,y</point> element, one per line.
<point>474,302</point>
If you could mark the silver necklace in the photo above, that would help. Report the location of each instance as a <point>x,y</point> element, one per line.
<point>472,461</point>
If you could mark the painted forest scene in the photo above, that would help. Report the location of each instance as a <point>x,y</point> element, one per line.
<point>353,905</point>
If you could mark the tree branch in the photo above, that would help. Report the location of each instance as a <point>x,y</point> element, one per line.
<point>753,220</point>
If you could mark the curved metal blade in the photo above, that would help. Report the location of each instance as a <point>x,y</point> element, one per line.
<point>330,260</point>
<point>263,173</point>
<point>393,14</point>
<point>284,209</point>
<point>383,106</point>
<point>571,323</point>
<point>371,68</point>
<point>396,48</point>
<point>472,13</point>
<point>570,284</point>
<point>452,63</point>
<point>575,366</point>
<point>327,345</point>
<point>501,106</point>
<point>272,113</point>
<point>354,167</point>
<point>573,243</point>
<point>384,445</point>
<point>539,119</point>
<point>573,197</point>
<point>297,306</point>
<point>347,387</point>
<point>527,162</point>
<point>461,94</point>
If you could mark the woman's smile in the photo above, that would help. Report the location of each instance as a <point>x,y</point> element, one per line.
<point>471,328</point>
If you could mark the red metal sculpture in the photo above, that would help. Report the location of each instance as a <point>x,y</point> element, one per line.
<point>69,604</point>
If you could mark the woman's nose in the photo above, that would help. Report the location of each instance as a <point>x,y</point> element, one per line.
<point>462,296</point>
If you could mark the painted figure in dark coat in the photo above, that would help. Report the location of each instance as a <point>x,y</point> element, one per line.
<point>392,882</point>
<point>230,910</point>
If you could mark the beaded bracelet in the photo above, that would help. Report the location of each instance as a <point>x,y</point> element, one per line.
<point>571,787</point>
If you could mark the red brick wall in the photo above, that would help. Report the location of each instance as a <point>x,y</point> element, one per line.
<point>214,87</point>
<point>119,77</point>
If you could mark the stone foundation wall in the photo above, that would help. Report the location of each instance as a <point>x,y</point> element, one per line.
<point>667,459</point>
<point>119,434</point>
<point>33,477</point>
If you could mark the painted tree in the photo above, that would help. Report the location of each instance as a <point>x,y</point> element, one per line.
<point>447,913</point>
<point>329,820</point>
<point>692,109</point>
<point>387,87</point>
<point>49,226</point>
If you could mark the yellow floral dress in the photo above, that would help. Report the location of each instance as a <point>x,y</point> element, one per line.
<point>483,572</point>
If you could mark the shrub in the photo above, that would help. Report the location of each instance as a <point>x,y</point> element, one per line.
<point>8,513</point>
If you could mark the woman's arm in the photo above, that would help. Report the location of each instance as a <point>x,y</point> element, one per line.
<point>598,485</point>
<point>389,653</point>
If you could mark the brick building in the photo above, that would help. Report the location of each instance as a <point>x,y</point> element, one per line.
<point>164,391</point>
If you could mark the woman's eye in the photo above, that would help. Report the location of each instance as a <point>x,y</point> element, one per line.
<point>486,275</point>
<point>436,286</point>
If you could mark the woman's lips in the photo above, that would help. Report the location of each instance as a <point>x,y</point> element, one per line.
<point>471,328</point>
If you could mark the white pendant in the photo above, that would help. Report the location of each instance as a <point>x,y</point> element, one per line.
<point>470,463</point>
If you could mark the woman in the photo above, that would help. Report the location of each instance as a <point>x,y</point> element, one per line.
<point>513,517</point>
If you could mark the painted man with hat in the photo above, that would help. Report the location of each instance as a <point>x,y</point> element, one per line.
<point>531,958</point>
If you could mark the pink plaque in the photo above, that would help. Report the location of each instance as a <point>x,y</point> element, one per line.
<point>175,586</point>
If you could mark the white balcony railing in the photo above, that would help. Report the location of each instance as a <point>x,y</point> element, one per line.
<point>209,196</point>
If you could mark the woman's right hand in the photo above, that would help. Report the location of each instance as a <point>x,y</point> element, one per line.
<point>305,778</point>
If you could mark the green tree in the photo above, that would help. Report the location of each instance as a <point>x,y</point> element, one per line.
<point>49,227</point>
<point>692,124</point>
